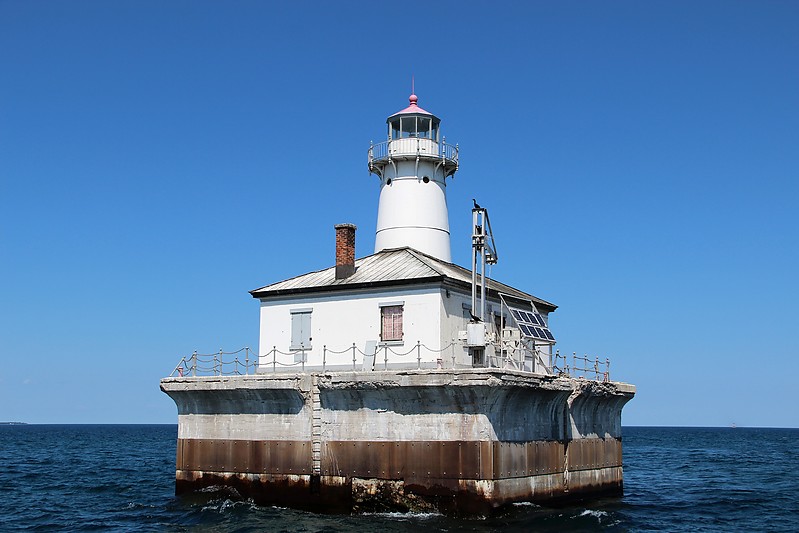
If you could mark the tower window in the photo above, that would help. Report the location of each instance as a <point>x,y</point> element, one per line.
<point>391,323</point>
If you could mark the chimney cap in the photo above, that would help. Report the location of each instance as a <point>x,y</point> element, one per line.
<point>345,225</point>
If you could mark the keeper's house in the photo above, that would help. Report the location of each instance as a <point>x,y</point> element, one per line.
<point>400,308</point>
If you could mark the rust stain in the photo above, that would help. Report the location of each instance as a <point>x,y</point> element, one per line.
<point>410,475</point>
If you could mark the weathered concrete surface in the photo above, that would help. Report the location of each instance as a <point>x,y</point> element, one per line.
<point>462,441</point>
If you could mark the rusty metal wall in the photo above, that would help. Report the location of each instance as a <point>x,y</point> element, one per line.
<point>390,460</point>
<point>408,459</point>
<point>527,459</point>
<point>590,454</point>
<point>463,473</point>
<point>244,456</point>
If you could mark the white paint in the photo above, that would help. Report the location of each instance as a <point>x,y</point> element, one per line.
<point>411,212</point>
<point>432,316</point>
<point>341,319</point>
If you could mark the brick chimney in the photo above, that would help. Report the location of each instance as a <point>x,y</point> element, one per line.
<point>345,250</point>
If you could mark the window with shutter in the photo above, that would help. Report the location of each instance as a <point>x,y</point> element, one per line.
<point>391,323</point>
<point>300,329</point>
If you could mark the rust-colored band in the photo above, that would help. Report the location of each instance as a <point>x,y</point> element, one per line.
<point>481,460</point>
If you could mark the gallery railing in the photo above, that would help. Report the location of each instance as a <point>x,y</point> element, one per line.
<point>386,357</point>
<point>397,148</point>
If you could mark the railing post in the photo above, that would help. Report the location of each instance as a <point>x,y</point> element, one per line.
<point>324,356</point>
<point>302,357</point>
<point>353,357</point>
<point>418,356</point>
<point>574,363</point>
<point>194,364</point>
<point>453,354</point>
<point>607,369</point>
<point>221,370</point>
<point>385,357</point>
<point>274,359</point>
<point>246,360</point>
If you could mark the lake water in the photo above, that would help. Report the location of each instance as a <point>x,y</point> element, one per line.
<point>109,477</point>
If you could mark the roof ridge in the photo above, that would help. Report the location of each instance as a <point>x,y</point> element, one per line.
<point>423,258</point>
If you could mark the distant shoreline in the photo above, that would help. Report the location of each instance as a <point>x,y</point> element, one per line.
<point>13,423</point>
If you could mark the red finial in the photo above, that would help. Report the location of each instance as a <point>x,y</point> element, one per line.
<point>413,99</point>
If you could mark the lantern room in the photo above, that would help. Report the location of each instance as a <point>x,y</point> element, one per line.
<point>413,122</point>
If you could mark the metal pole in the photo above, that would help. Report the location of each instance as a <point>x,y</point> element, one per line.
<point>353,357</point>
<point>247,360</point>
<point>194,364</point>
<point>474,260</point>
<point>324,356</point>
<point>274,359</point>
<point>385,357</point>
<point>483,273</point>
<point>418,356</point>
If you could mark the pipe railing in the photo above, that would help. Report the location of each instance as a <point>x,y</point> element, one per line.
<point>591,368</point>
<point>387,357</point>
<point>214,364</point>
<point>412,146</point>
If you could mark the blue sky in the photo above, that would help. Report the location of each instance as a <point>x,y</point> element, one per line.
<point>640,161</point>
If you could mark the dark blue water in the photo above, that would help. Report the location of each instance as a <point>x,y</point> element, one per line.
<point>82,478</point>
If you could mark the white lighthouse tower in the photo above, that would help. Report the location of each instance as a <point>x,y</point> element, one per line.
<point>413,165</point>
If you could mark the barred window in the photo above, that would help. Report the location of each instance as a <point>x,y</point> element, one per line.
<point>391,323</point>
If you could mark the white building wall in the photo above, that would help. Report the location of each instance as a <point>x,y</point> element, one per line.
<point>341,319</point>
<point>455,316</point>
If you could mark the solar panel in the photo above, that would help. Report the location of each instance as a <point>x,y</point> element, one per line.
<point>532,325</point>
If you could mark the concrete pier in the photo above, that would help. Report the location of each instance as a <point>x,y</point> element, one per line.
<point>459,441</point>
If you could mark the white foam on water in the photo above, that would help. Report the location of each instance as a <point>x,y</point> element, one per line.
<point>401,515</point>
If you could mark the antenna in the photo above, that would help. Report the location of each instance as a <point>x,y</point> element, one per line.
<point>413,83</point>
<point>484,250</point>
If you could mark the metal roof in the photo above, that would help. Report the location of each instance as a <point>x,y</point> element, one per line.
<point>398,266</point>
<point>412,109</point>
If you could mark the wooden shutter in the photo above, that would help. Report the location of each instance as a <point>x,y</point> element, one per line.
<point>391,323</point>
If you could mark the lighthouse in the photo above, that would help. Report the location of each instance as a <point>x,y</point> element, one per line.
<point>379,386</point>
<point>413,165</point>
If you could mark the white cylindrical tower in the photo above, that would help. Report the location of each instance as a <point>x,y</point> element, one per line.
<point>413,165</point>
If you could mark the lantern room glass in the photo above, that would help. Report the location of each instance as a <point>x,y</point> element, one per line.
<point>413,126</point>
